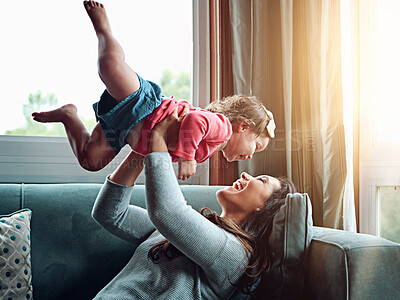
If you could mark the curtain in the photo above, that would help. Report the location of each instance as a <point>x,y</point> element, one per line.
<point>351,98</point>
<point>221,172</point>
<point>288,53</point>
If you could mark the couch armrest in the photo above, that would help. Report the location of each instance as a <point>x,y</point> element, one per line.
<point>347,265</point>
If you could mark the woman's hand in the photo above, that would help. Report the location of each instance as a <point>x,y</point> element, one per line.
<point>168,129</point>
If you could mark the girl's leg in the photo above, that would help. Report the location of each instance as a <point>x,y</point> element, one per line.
<point>92,150</point>
<point>119,78</point>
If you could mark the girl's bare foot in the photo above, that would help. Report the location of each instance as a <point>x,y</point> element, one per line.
<point>98,16</point>
<point>58,115</point>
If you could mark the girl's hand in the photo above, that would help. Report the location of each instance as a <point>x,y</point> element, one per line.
<point>186,168</point>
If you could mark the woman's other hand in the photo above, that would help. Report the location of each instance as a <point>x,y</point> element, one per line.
<point>168,129</point>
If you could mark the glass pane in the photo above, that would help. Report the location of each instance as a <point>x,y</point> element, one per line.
<point>388,62</point>
<point>389,212</point>
<point>49,55</point>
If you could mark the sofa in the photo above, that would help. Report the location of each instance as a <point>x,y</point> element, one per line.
<point>73,257</point>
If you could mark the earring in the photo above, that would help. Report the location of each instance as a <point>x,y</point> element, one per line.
<point>257,209</point>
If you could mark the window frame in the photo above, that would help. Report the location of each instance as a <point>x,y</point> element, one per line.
<point>34,159</point>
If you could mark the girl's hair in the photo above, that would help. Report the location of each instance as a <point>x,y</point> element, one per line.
<point>238,108</point>
<point>253,233</point>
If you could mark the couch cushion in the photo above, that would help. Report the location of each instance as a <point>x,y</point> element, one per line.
<point>15,258</point>
<point>10,198</point>
<point>73,257</point>
<point>290,239</point>
<point>348,265</point>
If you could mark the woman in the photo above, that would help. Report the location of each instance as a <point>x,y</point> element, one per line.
<point>183,254</point>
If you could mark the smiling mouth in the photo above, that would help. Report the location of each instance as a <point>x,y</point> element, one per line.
<point>237,185</point>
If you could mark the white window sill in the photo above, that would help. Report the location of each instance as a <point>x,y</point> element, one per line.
<point>32,159</point>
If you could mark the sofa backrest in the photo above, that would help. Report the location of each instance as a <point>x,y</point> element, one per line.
<point>73,257</point>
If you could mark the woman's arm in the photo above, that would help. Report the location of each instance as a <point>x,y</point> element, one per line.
<point>211,247</point>
<point>129,170</point>
<point>112,209</point>
<point>218,252</point>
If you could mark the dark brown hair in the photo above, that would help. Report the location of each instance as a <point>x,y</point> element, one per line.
<point>259,226</point>
<point>254,233</point>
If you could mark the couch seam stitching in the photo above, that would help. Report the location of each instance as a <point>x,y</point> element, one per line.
<point>22,200</point>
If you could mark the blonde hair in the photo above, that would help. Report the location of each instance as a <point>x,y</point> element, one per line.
<point>238,108</point>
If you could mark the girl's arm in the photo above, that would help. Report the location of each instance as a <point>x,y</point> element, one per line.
<point>112,209</point>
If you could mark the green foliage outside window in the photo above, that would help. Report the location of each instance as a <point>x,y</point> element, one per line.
<point>172,84</point>
<point>39,102</point>
<point>389,199</point>
<point>177,85</point>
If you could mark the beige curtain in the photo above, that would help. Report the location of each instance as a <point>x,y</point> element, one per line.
<point>288,53</point>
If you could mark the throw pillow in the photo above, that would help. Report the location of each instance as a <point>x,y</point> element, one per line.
<point>15,258</point>
<point>290,239</point>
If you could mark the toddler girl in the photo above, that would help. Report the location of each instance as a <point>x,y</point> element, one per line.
<point>131,106</point>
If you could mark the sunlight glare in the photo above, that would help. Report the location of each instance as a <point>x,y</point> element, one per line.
<point>388,47</point>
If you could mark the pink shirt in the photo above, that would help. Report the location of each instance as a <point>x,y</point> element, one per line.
<point>200,134</point>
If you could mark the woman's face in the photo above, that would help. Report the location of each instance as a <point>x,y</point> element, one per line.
<point>247,194</point>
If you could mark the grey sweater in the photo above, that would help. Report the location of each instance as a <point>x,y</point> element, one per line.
<point>213,258</point>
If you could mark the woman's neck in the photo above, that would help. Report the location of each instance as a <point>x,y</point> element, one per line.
<point>234,217</point>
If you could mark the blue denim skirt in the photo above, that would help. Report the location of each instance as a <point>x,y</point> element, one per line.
<point>117,118</point>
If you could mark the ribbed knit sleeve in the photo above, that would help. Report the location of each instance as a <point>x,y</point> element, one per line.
<point>217,252</point>
<point>113,211</point>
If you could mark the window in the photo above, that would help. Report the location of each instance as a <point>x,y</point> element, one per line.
<point>388,65</point>
<point>387,108</point>
<point>379,33</point>
<point>50,59</point>
<point>389,211</point>
<point>51,55</point>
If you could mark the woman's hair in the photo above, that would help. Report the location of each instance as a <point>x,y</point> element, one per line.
<point>249,109</point>
<point>259,226</point>
<point>254,233</point>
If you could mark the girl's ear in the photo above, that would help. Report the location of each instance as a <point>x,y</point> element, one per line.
<point>240,126</point>
<point>243,126</point>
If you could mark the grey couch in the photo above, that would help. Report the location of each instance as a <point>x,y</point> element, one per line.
<point>73,257</point>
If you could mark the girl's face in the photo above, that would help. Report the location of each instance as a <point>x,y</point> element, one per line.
<point>243,143</point>
<point>247,194</point>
